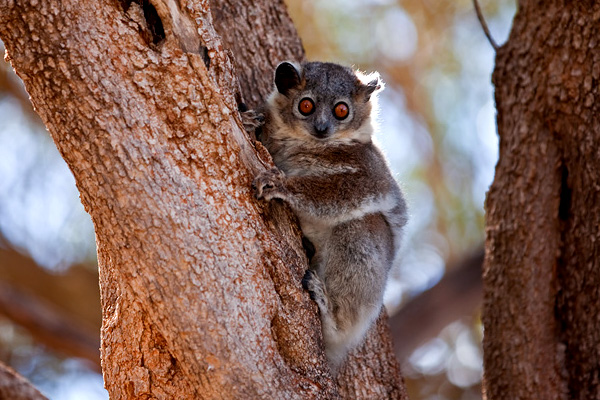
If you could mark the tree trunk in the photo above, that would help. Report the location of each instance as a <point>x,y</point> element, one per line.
<point>542,271</point>
<point>200,284</point>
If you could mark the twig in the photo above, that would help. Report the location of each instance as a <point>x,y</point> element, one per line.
<point>484,25</point>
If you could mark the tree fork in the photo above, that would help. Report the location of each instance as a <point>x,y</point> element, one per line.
<point>200,284</point>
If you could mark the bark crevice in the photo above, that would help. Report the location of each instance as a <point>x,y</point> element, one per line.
<point>152,27</point>
<point>565,194</point>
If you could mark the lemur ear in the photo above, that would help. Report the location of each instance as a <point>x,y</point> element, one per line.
<point>287,76</point>
<point>369,84</point>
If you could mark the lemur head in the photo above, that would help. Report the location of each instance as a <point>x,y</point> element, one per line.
<point>324,101</point>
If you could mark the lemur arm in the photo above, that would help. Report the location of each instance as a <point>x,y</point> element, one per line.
<point>328,196</point>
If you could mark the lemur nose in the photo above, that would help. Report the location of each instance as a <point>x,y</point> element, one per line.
<point>321,129</point>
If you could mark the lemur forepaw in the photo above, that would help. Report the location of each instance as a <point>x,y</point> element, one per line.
<point>252,120</point>
<point>268,184</point>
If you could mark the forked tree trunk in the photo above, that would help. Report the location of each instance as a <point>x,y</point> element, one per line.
<point>542,273</point>
<point>200,284</point>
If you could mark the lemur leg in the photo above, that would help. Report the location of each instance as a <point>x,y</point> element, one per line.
<point>342,325</point>
<point>349,283</point>
<point>318,293</point>
<point>251,119</point>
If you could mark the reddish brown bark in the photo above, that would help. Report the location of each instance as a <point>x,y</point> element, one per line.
<point>200,284</point>
<point>542,271</point>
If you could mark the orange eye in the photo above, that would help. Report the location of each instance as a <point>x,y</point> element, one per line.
<point>306,106</point>
<point>340,110</point>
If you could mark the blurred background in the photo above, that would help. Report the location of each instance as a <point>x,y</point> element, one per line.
<point>437,129</point>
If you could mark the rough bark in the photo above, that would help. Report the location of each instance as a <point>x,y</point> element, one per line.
<point>259,35</point>
<point>14,387</point>
<point>542,270</point>
<point>367,365</point>
<point>200,284</point>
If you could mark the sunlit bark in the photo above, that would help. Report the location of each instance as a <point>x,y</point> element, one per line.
<point>200,284</point>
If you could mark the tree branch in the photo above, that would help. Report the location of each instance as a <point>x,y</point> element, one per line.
<point>422,318</point>
<point>74,292</point>
<point>14,387</point>
<point>48,325</point>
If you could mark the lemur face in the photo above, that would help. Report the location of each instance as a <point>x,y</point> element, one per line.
<point>325,101</point>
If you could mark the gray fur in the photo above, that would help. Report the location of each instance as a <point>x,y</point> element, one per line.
<point>342,191</point>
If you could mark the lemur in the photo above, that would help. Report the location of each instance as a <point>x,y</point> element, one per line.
<point>318,127</point>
